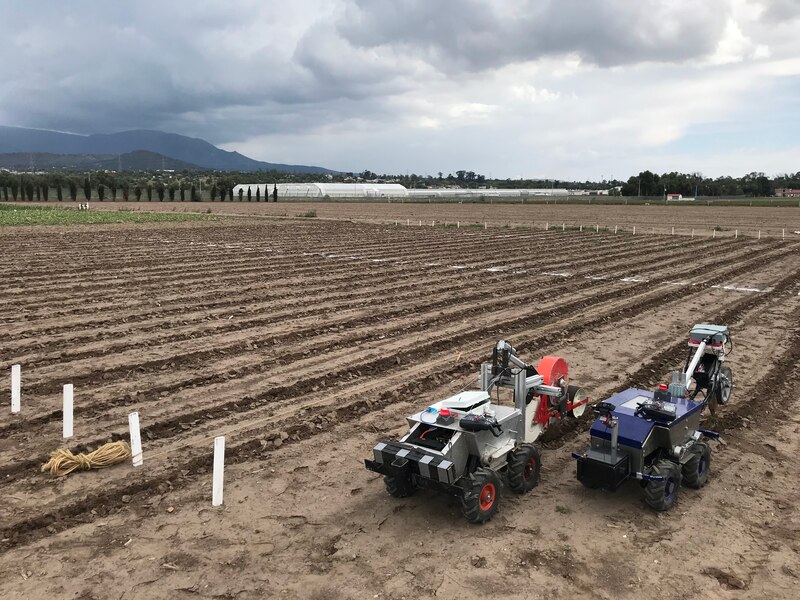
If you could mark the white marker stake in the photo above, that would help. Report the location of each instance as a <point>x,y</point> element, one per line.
<point>597,228</point>
<point>634,230</point>
<point>219,469</point>
<point>615,228</point>
<point>68,392</point>
<point>673,231</point>
<point>759,234</point>
<point>736,235</point>
<point>563,226</point>
<point>16,380</point>
<point>136,439</point>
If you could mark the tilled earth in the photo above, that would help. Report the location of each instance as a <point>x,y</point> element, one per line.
<point>681,219</point>
<point>304,342</point>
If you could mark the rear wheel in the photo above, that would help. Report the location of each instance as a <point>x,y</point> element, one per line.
<point>697,468</point>
<point>481,496</point>
<point>399,487</point>
<point>662,495</point>
<point>524,467</point>
<point>724,386</point>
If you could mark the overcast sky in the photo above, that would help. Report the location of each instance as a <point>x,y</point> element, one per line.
<point>570,89</point>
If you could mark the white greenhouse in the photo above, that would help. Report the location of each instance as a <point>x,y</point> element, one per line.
<point>325,190</point>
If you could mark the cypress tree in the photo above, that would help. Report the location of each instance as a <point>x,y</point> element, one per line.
<point>101,191</point>
<point>29,191</point>
<point>172,193</point>
<point>87,189</point>
<point>249,194</point>
<point>214,192</point>
<point>160,191</point>
<point>73,190</point>
<point>258,193</point>
<point>137,191</point>
<point>149,192</point>
<point>183,194</point>
<point>194,197</point>
<point>241,194</point>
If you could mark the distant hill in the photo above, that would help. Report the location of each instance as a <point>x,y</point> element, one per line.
<point>193,151</point>
<point>140,160</point>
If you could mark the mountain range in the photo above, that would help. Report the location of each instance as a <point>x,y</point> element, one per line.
<point>194,152</point>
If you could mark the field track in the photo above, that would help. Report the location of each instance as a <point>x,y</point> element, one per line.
<point>303,327</point>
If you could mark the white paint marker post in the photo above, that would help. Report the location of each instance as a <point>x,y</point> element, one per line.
<point>219,470</point>
<point>16,383</point>
<point>68,395</point>
<point>136,439</point>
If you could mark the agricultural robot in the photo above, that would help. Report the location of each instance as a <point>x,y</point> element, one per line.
<point>655,437</point>
<point>465,443</point>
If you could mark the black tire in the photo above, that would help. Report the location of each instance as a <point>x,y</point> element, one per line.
<point>524,468</point>
<point>481,496</point>
<point>399,487</point>
<point>662,495</point>
<point>724,387</point>
<point>698,467</point>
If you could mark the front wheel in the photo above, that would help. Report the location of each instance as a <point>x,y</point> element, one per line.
<point>662,495</point>
<point>481,496</point>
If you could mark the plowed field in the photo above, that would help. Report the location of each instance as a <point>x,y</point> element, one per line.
<point>305,341</point>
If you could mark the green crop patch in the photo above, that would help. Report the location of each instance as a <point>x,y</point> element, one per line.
<point>13,215</point>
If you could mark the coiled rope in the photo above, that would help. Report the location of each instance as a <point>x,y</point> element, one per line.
<point>63,462</point>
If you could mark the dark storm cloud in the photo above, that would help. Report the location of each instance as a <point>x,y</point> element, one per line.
<point>231,70</point>
<point>479,35</point>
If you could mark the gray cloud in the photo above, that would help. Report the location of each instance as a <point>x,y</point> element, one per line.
<point>479,35</point>
<point>232,72</point>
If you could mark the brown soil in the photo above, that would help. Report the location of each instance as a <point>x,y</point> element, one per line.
<point>683,219</point>
<point>306,341</point>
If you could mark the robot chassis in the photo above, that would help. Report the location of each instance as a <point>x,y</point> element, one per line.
<point>655,437</point>
<point>463,444</point>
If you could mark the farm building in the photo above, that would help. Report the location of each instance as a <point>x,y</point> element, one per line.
<point>395,190</point>
<point>787,193</point>
<point>674,196</point>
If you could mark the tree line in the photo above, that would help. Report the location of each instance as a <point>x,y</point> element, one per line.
<point>192,186</point>
<point>107,187</point>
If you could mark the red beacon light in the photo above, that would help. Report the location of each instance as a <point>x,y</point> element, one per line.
<point>444,412</point>
<point>663,387</point>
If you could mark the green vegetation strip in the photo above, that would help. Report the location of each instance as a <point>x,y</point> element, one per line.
<point>11,215</point>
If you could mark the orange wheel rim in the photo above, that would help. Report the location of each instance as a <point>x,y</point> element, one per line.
<point>487,496</point>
